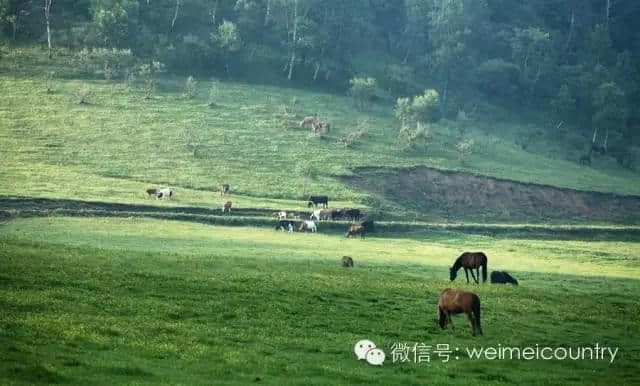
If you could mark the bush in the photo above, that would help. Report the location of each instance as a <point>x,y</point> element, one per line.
<point>426,107</point>
<point>214,93</point>
<point>191,87</point>
<point>362,91</point>
<point>285,118</point>
<point>360,130</point>
<point>465,149</point>
<point>83,94</point>
<point>110,63</point>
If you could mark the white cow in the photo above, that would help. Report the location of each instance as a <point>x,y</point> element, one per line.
<point>282,215</point>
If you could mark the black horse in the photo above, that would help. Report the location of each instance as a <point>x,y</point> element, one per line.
<point>501,277</point>
<point>469,261</point>
<point>315,200</point>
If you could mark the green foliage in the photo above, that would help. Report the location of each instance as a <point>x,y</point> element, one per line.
<point>564,105</point>
<point>362,90</point>
<point>498,78</point>
<point>610,108</point>
<point>360,130</point>
<point>110,63</point>
<point>228,37</point>
<point>83,94</point>
<point>426,107</point>
<point>465,149</point>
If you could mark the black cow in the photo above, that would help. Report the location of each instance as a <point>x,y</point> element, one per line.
<point>315,200</point>
<point>152,192</point>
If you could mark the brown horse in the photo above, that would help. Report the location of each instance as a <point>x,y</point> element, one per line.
<point>456,302</point>
<point>356,230</point>
<point>469,261</point>
<point>347,261</point>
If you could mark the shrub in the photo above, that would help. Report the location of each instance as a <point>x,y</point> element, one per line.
<point>426,107</point>
<point>360,130</point>
<point>465,149</point>
<point>83,94</point>
<point>110,63</point>
<point>191,87</point>
<point>362,91</point>
<point>214,93</point>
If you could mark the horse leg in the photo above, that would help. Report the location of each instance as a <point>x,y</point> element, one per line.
<point>473,323</point>
<point>449,319</point>
<point>473,276</point>
<point>466,272</point>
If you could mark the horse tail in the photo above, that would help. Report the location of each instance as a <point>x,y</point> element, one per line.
<point>476,312</point>
<point>484,271</point>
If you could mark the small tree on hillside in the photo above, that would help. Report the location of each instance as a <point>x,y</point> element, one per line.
<point>414,114</point>
<point>190,87</point>
<point>610,107</point>
<point>362,91</point>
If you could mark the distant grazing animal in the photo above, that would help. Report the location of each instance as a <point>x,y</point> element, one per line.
<point>225,189</point>
<point>336,214</point>
<point>469,261</point>
<point>315,200</point>
<point>586,159</point>
<point>165,194</point>
<point>368,225</point>
<point>356,230</point>
<point>152,192</point>
<point>453,302</point>
<point>285,224</point>
<point>226,208</point>
<point>347,262</point>
<point>307,121</point>
<point>321,214</point>
<point>282,215</point>
<point>350,214</point>
<point>307,225</point>
<point>501,277</point>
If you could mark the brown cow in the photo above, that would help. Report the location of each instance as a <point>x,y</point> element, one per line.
<point>347,261</point>
<point>227,207</point>
<point>356,230</point>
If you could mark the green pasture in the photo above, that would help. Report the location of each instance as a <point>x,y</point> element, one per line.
<point>117,300</point>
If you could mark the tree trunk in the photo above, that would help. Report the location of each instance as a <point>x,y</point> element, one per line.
<point>175,15</point>
<point>267,15</point>
<point>570,34</point>
<point>47,17</point>
<point>213,13</point>
<point>315,73</point>
<point>294,38</point>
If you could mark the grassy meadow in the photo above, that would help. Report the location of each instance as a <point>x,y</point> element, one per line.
<point>90,300</point>
<point>101,285</point>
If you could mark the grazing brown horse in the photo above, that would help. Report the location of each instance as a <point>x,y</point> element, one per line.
<point>456,302</point>
<point>347,261</point>
<point>356,230</point>
<point>469,261</point>
<point>227,207</point>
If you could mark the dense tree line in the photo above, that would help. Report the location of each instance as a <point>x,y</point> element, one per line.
<point>578,59</point>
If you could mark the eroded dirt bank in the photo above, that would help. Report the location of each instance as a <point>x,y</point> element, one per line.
<point>433,194</point>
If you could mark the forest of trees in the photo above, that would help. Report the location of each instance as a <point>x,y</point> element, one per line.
<point>577,60</point>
